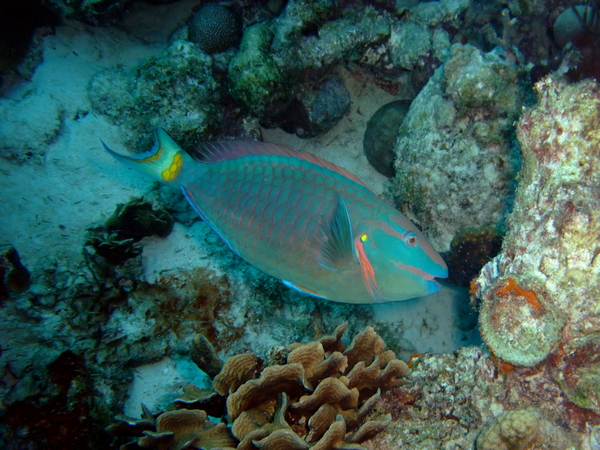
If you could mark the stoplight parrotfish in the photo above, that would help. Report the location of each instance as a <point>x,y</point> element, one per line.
<point>299,218</point>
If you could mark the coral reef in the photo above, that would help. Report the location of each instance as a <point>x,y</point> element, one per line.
<point>181,429</point>
<point>444,403</point>
<point>75,330</point>
<point>455,163</point>
<point>540,293</point>
<point>522,429</point>
<point>409,42</point>
<point>381,134</point>
<point>575,366</point>
<point>577,33</point>
<point>274,56</point>
<point>175,91</point>
<point>323,398</point>
<point>215,28</point>
<point>255,79</point>
<point>89,10</point>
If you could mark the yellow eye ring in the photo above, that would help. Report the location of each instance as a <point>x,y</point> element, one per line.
<point>364,238</point>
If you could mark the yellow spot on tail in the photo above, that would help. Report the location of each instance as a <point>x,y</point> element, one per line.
<point>172,171</point>
<point>153,157</point>
<point>364,238</point>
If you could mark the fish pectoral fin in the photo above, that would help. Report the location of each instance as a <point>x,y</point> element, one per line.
<point>335,249</point>
<point>304,290</point>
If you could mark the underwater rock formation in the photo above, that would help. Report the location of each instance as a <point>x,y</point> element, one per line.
<point>455,162</point>
<point>14,276</point>
<point>326,105</point>
<point>204,355</point>
<point>470,250</point>
<point>541,292</point>
<point>314,110</point>
<point>444,403</point>
<point>175,91</point>
<point>215,28</point>
<point>254,76</point>
<point>381,134</point>
<point>273,56</point>
<point>409,42</point>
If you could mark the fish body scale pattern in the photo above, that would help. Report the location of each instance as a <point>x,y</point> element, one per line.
<point>271,209</point>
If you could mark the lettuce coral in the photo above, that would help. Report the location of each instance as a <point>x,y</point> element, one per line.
<point>282,408</point>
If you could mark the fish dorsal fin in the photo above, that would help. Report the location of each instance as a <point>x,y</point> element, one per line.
<point>219,151</point>
<point>335,249</point>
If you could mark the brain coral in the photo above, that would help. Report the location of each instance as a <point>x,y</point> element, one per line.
<point>512,430</point>
<point>215,28</point>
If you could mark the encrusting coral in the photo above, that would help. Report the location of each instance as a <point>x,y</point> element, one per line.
<point>540,295</point>
<point>323,398</point>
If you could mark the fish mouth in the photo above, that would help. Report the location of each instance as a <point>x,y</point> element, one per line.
<point>421,273</point>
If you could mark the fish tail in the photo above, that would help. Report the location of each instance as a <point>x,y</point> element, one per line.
<point>164,162</point>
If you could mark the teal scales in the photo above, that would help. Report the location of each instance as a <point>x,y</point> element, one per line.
<point>299,218</point>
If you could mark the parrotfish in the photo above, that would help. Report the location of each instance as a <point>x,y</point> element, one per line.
<point>299,218</point>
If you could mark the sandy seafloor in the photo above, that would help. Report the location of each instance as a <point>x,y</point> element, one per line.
<point>47,204</point>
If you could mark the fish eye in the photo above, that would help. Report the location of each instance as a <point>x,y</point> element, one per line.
<point>410,238</point>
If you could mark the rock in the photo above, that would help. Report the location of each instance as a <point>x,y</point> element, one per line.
<point>455,161</point>
<point>546,275</point>
<point>381,134</point>
<point>327,105</point>
<point>175,91</point>
<point>409,42</point>
<point>14,277</point>
<point>255,79</point>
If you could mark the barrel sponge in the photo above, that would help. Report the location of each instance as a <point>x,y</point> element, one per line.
<point>215,28</point>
